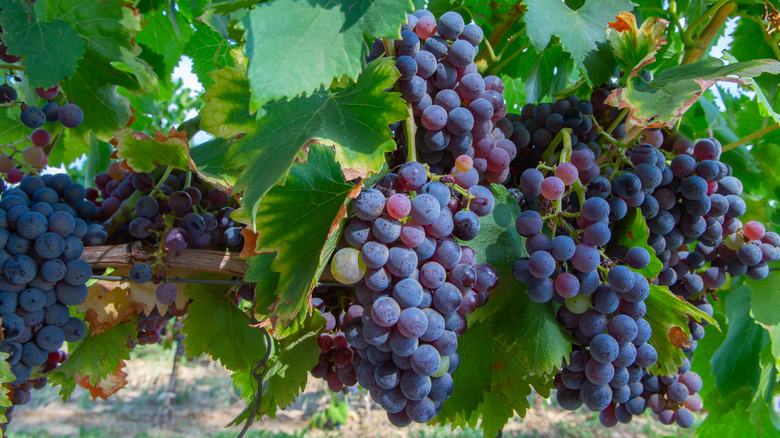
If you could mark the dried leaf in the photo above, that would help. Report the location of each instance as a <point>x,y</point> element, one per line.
<point>107,386</point>
<point>107,305</point>
<point>678,338</point>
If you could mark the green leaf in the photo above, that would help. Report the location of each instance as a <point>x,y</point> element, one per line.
<point>160,36</point>
<point>259,272</point>
<point>544,73</point>
<point>209,159</point>
<point>106,28</point>
<point>765,299</point>
<point>145,155</point>
<point>6,376</point>
<point>215,326</point>
<point>209,52</point>
<point>97,160</point>
<point>67,149</point>
<point>667,315</point>
<point>96,356</point>
<point>355,119</point>
<point>727,417</point>
<point>635,47</point>
<point>104,109</point>
<point>511,342</point>
<point>226,109</point>
<point>736,363</point>
<point>297,46</point>
<point>632,231</point>
<point>579,30</point>
<point>663,101</point>
<point>294,220</point>
<point>50,50</point>
<point>293,356</point>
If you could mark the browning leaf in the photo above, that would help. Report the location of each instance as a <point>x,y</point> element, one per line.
<point>107,386</point>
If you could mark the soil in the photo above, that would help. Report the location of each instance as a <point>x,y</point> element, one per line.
<point>205,402</point>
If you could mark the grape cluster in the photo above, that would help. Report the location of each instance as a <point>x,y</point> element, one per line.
<point>336,363</point>
<point>150,327</point>
<point>672,398</point>
<point>416,284</point>
<point>42,236</point>
<point>458,113</point>
<point>21,394</point>
<point>68,115</point>
<point>688,199</point>
<point>41,233</point>
<point>539,125</point>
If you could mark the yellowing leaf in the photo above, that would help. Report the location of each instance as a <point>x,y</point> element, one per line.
<point>144,155</point>
<point>107,305</point>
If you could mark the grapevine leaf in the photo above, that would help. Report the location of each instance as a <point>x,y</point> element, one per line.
<point>144,154</point>
<point>663,101</point>
<point>636,47</point>
<point>579,30</point>
<point>287,373</point>
<point>600,64</point>
<point>209,158</point>
<point>225,7</point>
<point>6,376</point>
<point>297,46</point>
<point>209,52</point>
<point>355,119</point>
<point>542,73</point>
<point>761,406</point>
<point>259,272</point>
<point>97,159</point>
<point>106,29</point>
<point>226,109</point>
<point>108,385</point>
<point>668,316</point>
<point>765,299</point>
<point>511,342</point>
<point>736,363</point>
<point>294,220</point>
<point>727,416</point>
<point>632,231</point>
<point>104,109</point>
<point>49,50</point>
<point>160,36</point>
<point>96,356</point>
<point>764,105</point>
<point>215,326</point>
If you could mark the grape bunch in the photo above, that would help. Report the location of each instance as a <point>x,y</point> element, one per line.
<point>689,200</point>
<point>150,326</point>
<point>416,284</point>
<point>41,241</point>
<point>164,206</point>
<point>336,363</point>
<point>672,398</point>
<point>457,112</point>
<point>35,154</point>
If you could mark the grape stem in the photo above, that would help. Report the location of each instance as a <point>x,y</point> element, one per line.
<point>616,122</point>
<point>410,131</point>
<point>160,183</point>
<point>124,214</point>
<point>10,67</point>
<point>563,135</point>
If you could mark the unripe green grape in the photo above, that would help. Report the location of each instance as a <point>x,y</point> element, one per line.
<point>578,304</point>
<point>347,266</point>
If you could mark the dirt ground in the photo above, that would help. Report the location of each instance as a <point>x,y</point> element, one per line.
<point>205,403</point>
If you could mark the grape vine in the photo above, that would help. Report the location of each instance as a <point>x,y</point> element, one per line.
<point>451,205</point>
